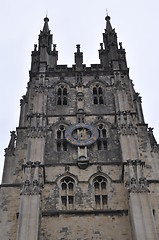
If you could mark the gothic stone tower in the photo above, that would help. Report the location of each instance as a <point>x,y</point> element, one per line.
<point>82,164</point>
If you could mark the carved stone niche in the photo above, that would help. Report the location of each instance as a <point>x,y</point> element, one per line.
<point>33,178</point>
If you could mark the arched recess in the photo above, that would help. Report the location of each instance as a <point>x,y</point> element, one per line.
<point>67,184</point>
<point>102,142</point>
<point>101,189</point>
<point>97,93</point>
<point>61,142</point>
<point>62,92</point>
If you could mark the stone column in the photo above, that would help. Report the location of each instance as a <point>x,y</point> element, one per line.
<point>143,224</point>
<point>30,202</point>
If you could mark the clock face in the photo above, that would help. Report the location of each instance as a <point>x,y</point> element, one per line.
<point>81,134</point>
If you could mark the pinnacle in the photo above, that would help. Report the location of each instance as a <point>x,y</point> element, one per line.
<point>46,25</point>
<point>108,24</point>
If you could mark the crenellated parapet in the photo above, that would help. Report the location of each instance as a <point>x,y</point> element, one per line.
<point>85,127</point>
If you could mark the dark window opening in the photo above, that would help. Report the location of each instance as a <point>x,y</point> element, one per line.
<point>98,95</point>
<point>100,192</point>
<point>64,101</point>
<point>102,140</point>
<point>62,95</point>
<point>105,145</point>
<point>59,101</point>
<point>59,134</point>
<point>64,91</point>
<point>99,144</point>
<point>94,91</point>
<point>100,91</point>
<point>67,193</point>
<point>64,146</point>
<point>100,100</point>
<point>59,92</point>
<point>61,141</point>
<point>95,100</point>
<point>104,133</point>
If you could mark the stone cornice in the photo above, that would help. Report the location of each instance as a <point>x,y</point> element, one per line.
<point>109,212</point>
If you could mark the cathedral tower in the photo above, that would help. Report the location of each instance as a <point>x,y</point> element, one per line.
<point>82,164</point>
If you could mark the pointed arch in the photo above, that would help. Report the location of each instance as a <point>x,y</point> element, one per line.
<point>67,193</point>
<point>100,192</point>
<point>67,183</point>
<point>101,189</point>
<point>62,94</point>
<point>66,174</point>
<point>102,139</point>
<point>98,93</point>
<point>61,142</point>
<point>99,173</point>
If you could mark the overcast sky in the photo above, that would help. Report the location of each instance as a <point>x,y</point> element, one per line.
<point>76,22</point>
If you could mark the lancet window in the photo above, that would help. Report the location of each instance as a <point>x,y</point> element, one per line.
<point>100,192</point>
<point>60,137</point>
<point>67,193</point>
<point>62,95</point>
<point>98,94</point>
<point>102,139</point>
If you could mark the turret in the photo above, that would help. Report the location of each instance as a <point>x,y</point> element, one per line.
<point>78,58</point>
<point>110,55</point>
<point>44,55</point>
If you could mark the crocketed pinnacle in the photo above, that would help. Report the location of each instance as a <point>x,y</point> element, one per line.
<point>46,25</point>
<point>108,24</point>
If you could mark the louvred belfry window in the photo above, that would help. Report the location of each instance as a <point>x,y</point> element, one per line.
<point>60,138</point>
<point>62,95</point>
<point>67,193</point>
<point>100,192</point>
<point>98,94</point>
<point>102,140</point>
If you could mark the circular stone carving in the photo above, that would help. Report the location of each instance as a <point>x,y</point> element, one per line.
<point>81,134</point>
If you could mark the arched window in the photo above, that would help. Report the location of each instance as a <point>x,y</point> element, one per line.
<point>62,95</point>
<point>102,140</point>
<point>59,92</point>
<point>65,92</point>
<point>67,193</point>
<point>100,192</point>
<point>60,138</point>
<point>65,101</point>
<point>98,94</point>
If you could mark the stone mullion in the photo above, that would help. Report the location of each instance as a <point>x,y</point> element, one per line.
<point>100,195</point>
<point>67,197</point>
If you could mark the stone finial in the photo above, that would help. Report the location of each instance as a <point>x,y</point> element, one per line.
<point>11,145</point>
<point>120,44</point>
<point>35,47</point>
<point>78,57</point>
<point>101,46</point>
<point>54,47</point>
<point>78,47</point>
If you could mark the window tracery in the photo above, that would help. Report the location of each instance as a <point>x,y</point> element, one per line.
<point>102,139</point>
<point>100,192</point>
<point>67,193</point>
<point>62,95</point>
<point>98,94</point>
<point>61,141</point>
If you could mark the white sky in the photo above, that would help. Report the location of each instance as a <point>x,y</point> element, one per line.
<point>76,22</point>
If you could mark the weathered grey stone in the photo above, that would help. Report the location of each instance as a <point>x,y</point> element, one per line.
<point>98,181</point>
